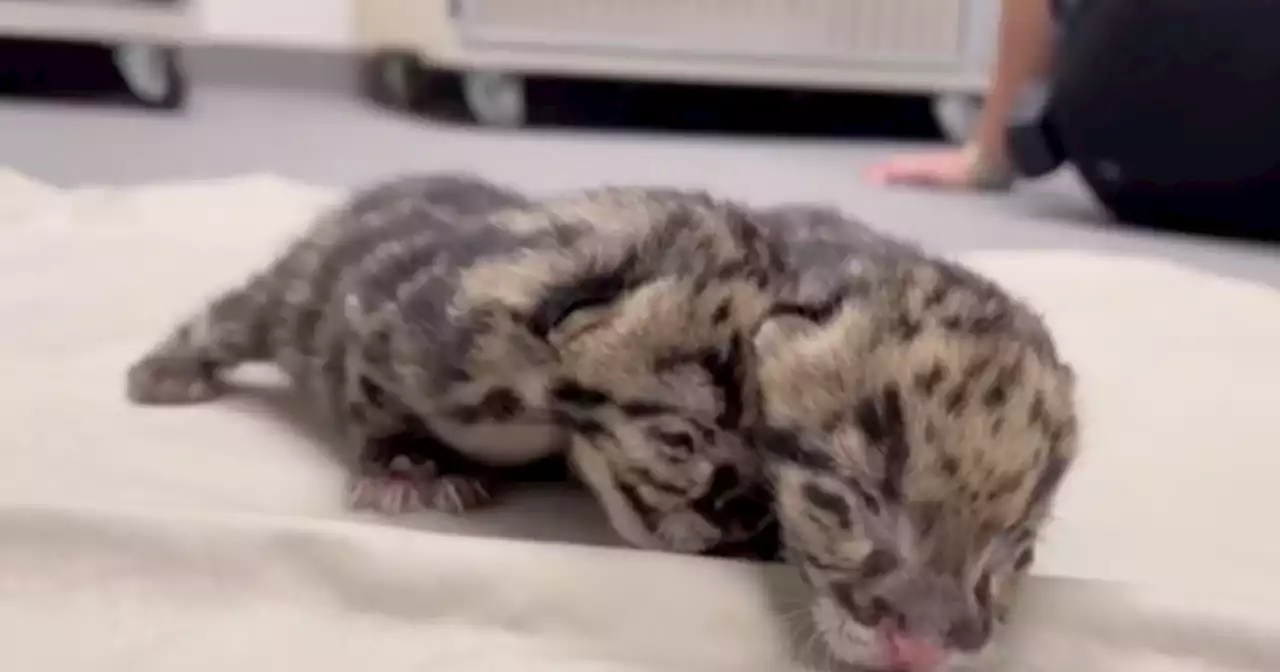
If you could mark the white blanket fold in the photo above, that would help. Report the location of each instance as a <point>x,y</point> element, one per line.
<point>214,537</point>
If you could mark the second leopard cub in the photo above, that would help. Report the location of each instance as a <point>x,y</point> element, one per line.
<point>915,423</point>
<point>427,316</point>
<point>918,423</point>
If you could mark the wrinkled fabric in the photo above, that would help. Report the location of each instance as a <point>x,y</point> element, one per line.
<point>215,537</point>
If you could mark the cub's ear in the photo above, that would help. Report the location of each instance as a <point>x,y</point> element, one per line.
<point>589,318</point>
<point>595,289</point>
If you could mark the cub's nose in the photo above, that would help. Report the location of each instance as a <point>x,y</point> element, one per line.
<point>911,654</point>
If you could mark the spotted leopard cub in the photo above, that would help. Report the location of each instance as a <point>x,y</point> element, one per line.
<point>917,424</point>
<point>658,392</point>
<point>423,315</point>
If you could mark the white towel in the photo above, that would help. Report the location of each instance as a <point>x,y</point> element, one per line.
<point>214,537</point>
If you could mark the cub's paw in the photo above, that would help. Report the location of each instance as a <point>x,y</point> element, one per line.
<point>457,493</point>
<point>405,487</point>
<point>686,532</point>
<point>171,380</point>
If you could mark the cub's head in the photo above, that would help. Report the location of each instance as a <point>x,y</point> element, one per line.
<point>655,389</point>
<point>655,373</point>
<point>915,458</point>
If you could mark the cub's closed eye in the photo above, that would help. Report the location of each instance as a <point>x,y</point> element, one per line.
<point>646,409</point>
<point>580,294</point>
<point>676,439</point>
<point>982,591</point>
<point>828,503</point>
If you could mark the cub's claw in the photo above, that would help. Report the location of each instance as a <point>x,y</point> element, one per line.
<point>408,488</point>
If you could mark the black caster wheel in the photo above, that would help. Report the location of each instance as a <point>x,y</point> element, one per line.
<point>495,98</point>
<point>151,74</point>
<point>396,80</point>
<point>956,115</point>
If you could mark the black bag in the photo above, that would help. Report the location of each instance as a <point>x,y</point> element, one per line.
<point>1169,109</point>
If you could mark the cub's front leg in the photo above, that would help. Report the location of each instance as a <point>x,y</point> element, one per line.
<point>401,465</point>
<point>695,505</point>
<point>404,473</point>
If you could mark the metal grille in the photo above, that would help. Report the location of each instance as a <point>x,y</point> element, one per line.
<point>906,31</point>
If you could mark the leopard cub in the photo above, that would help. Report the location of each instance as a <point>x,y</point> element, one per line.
<point>438,320</point>
<point>917,423</point>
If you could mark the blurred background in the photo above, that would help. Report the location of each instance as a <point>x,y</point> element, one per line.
<point>906,69</point>
<point>769,100</point>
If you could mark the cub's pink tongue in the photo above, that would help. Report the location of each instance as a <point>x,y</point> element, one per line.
<point>911,654</point>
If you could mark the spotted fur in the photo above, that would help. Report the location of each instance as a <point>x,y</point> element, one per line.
<point>658,390</point>
<point>424,316</point>
<point>917,423</point>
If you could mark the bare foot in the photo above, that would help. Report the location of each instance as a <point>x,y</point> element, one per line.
<point>958,169</point>
<point>405,487</point>
<point>171,380</point>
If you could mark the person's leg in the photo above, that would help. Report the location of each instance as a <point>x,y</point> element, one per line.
<point>1023,53</point>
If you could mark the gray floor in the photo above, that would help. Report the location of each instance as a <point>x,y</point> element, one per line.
<point>325,136</point>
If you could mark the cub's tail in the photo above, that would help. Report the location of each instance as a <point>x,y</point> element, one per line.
<point>185,367</point>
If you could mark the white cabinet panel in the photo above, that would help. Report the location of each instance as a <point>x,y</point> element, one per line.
<point>111,20</point>
<point>325,24</point>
